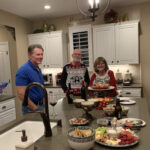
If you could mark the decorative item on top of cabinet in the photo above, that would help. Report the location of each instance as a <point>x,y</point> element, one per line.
<point>117,43</point>
<point>80,38</point>
<point>55,48</point>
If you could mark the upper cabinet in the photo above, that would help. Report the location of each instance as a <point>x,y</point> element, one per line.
<point>118,43</point>
<point>80,38</point>
<point>55,48</point>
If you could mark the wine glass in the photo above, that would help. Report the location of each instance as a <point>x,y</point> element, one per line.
<point>53,102</point>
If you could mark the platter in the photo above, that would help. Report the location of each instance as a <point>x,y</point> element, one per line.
<point>136,122</point>
<point>78,121</point>
<point>101,89</point>
<point>127,101</point>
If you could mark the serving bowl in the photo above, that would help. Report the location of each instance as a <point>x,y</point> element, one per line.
<point>77,102</point>
<point>81,143</point>
<point>95,100</point>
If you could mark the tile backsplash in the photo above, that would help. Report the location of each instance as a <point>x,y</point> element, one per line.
<point>135,70</point>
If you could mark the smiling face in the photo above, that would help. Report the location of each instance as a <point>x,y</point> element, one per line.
<point>76,56</point>
<point>37,56</point>
<point>101,66</point>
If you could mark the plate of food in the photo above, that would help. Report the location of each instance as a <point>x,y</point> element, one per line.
<point>78,121</point>
<point>118,137</point>
<point>132,122</point>
<point>94,88</point>
<point>127,101</point>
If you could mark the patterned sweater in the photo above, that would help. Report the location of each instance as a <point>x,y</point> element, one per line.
<point>74,74</point>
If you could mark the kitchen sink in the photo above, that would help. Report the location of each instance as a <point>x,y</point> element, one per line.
<point>34,131</point>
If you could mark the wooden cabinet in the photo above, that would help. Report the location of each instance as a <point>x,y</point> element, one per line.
<point>7,111</point>
<point>118,43</point>
<point>80,38</point>
<point>55,48</point>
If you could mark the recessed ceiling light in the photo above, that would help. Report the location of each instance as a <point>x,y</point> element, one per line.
<point>47,6</point>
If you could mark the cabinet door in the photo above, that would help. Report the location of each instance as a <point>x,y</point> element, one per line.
<point>80,38</point>
<point>127,46</point>
<point>54,51</point>
<point>103,40</point>
<point>37,39</point>
<point>5,71</point>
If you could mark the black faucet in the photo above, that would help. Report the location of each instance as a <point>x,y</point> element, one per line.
<point>44,114</point>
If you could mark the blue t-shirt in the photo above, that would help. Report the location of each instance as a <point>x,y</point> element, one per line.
<point>27,74</point>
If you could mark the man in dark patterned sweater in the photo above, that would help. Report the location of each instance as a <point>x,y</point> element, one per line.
<point>74,73</point>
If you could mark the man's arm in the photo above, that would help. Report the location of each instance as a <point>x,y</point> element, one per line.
<point>21,92</point>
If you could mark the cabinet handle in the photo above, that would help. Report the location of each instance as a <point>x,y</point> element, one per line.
<point>47,65</point>
<point>128,93</point>
<point>43,65</point>
<point>4,107</point>
<point>112,62</point>
<point>117,61</point>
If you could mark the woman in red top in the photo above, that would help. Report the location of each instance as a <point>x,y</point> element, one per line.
<point>103,75</point>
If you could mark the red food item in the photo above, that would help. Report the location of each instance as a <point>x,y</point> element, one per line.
<point>127,137</point>
<point>128,124</point>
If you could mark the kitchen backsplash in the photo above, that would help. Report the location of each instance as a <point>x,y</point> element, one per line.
<point>135,70</point>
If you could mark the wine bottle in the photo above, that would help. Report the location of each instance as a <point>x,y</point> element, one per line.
<point>69,94</point>
<point>83,91</point>
<point>118,109</point>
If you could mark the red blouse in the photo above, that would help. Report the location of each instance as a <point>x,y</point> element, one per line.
<point>112,82</point>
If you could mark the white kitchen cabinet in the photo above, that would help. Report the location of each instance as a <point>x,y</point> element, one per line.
<point>55,48</point>
<point>7,111</point>
<point>104,42</point>
<point>80,38</point>
<point>5,71</point>
<point>117,43</point>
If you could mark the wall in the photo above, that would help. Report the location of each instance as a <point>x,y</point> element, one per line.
<point>19,56</point>
<point>140,11</point>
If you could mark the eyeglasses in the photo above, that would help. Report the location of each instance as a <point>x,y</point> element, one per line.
<point>76,54</point>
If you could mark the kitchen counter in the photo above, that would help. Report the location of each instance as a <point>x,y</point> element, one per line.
<point>6,97</point>
<point>52,86</point>
<point>59,139</point>
<point>134,85</point>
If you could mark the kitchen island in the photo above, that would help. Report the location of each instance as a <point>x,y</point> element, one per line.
<point>59,139</point>
<point>67,111</point>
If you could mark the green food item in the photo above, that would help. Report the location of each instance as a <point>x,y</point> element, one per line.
<point>101,129</point>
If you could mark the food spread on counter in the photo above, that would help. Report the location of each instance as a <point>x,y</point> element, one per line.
<point>78,121</point>
<point>100,86</point>
<point>125,136</point>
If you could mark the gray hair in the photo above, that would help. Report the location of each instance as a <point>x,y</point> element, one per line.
<point>32,47</point>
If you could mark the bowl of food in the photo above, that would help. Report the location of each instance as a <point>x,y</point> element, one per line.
<point>87,105</point>
<point>77,102</point>
<point>95,100</point>
<point>114,132</point>
<point>81,137</point>
<point>110,111</point>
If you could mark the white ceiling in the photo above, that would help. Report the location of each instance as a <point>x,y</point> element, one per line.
<point>34,9</point>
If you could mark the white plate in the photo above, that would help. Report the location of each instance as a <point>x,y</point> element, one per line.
<point>127,101</point>
<point>133,119</point>
<point>79,124</point>
<point>123,146</point>
<point>109,88</point>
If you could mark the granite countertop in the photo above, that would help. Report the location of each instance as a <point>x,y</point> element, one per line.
<point>59,139</point>
<point>52,86</point>
<point>134,85</point>
<point>6,97</point>
<point>67,111</point>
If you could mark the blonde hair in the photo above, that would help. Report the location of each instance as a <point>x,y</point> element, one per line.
<point>97,61</point>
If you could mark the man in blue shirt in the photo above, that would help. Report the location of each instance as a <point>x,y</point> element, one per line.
<point>28,73</point>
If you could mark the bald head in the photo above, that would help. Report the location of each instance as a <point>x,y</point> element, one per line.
<point>76,56</point>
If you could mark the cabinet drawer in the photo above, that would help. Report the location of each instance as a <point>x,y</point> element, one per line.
<point>7,116</point>
<point>6,105</point>
<point>133,92</point>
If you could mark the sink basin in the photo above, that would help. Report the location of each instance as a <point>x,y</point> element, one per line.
<point>34,131</point>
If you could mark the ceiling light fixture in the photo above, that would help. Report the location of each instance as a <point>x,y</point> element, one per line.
<point>94,7</point>
<point>47,6</point>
